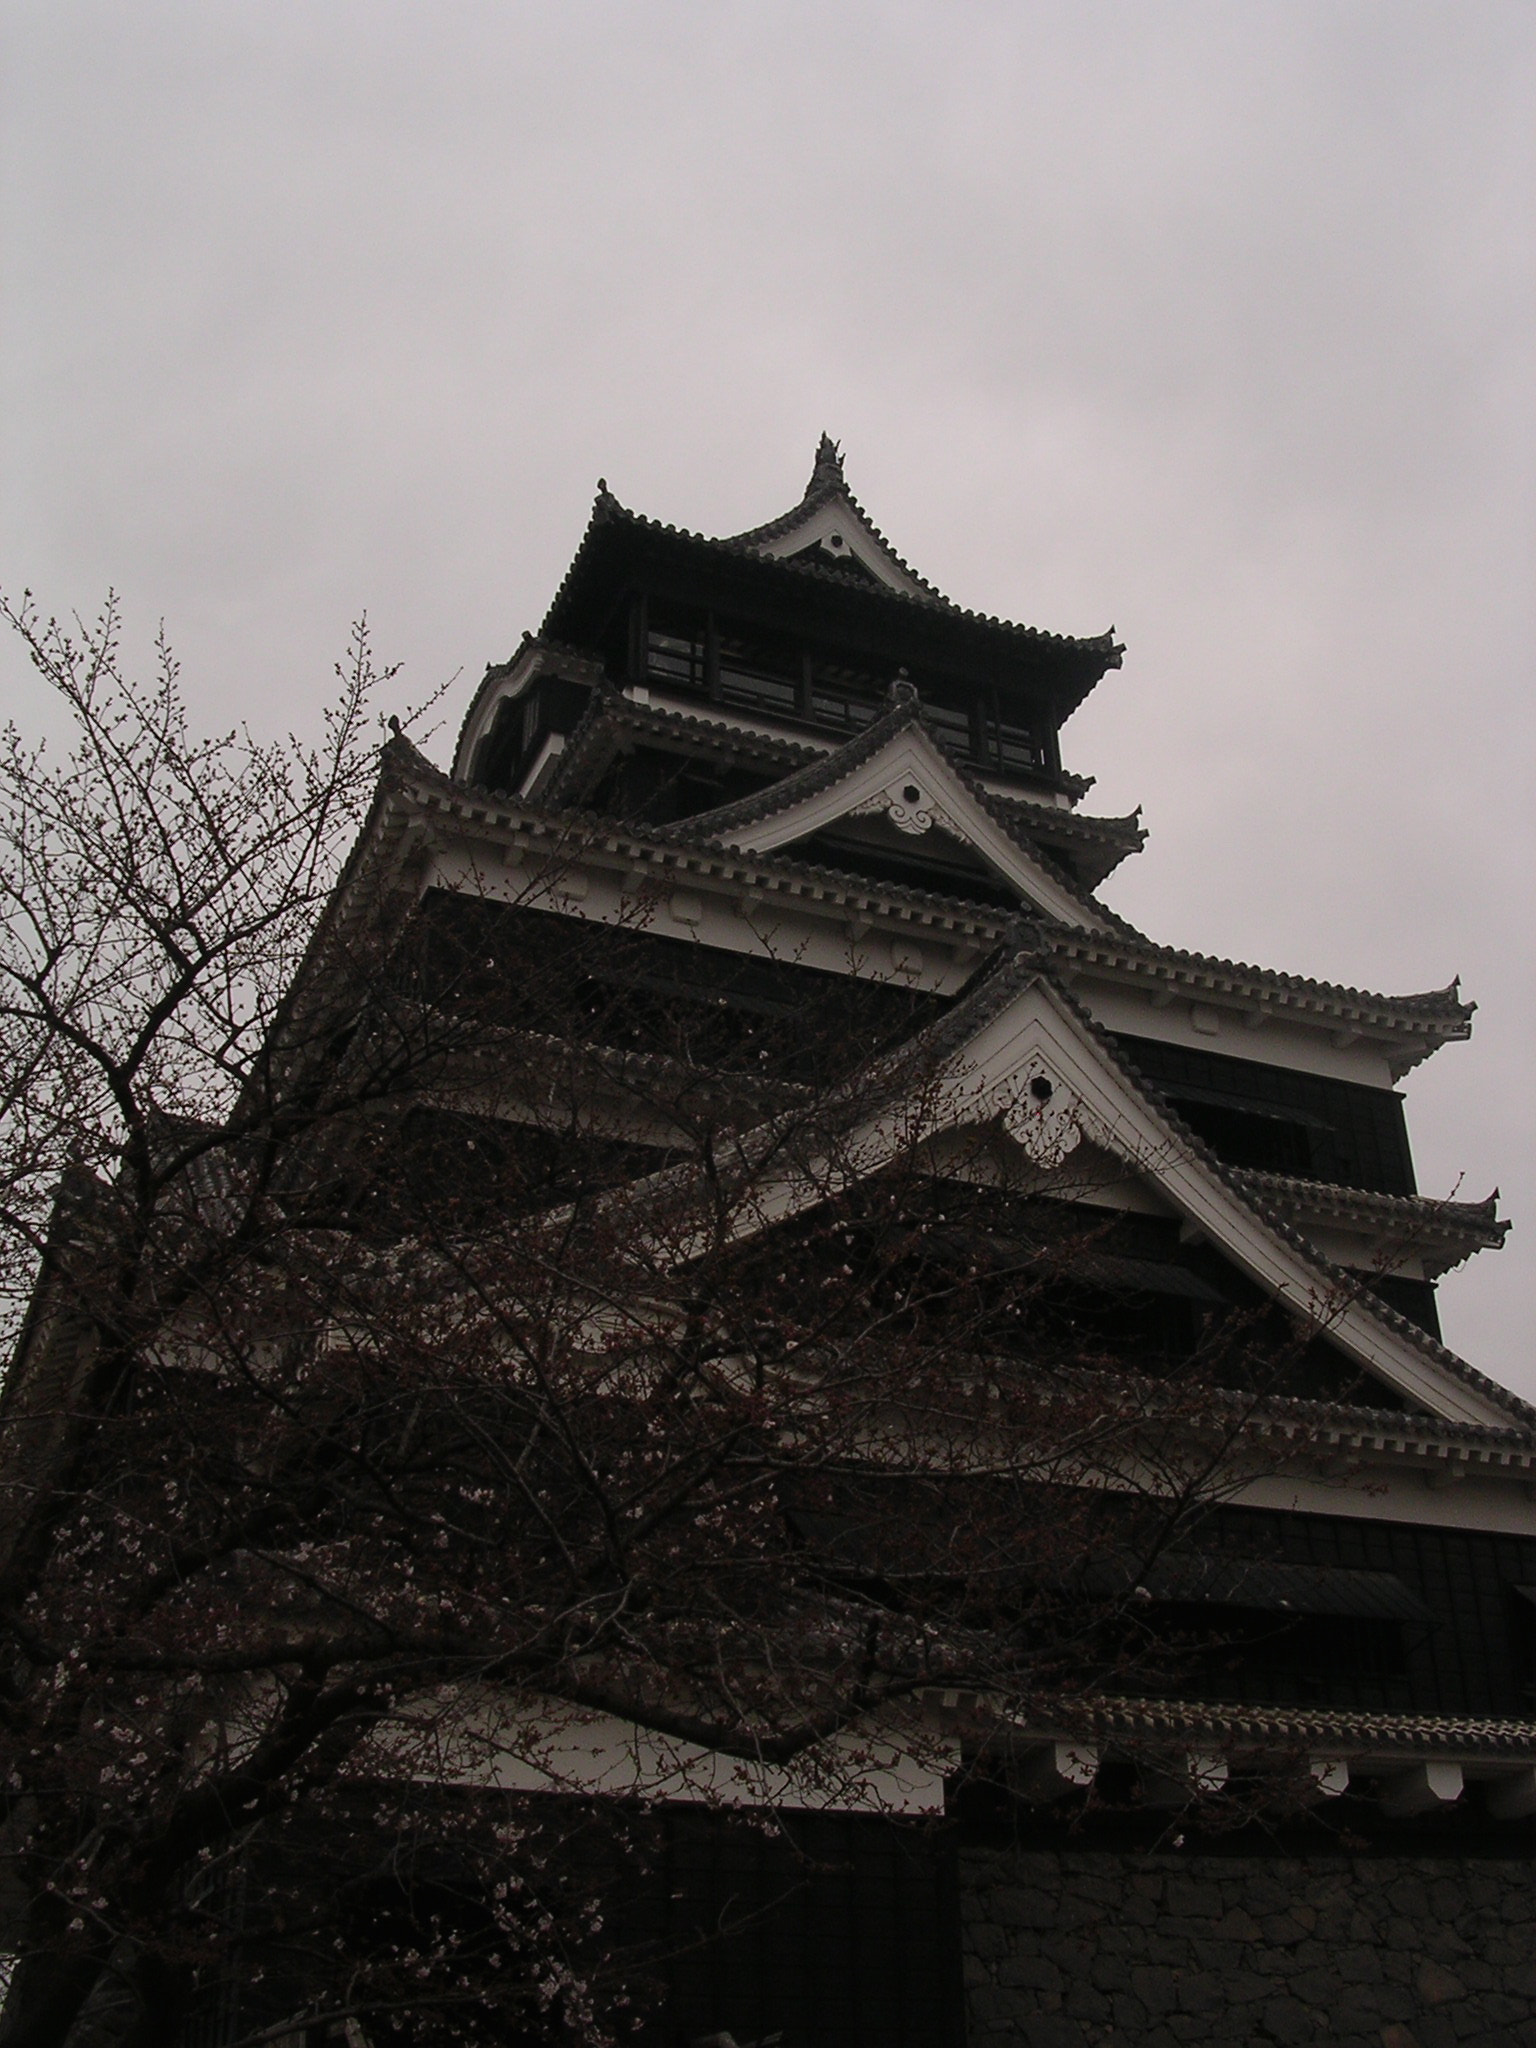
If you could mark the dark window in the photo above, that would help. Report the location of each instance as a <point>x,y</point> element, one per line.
<point>758,673</point>
<point>673,658</point>
<point>1283,1121</point>
<point>1469,1656</point>
<point>845,697</point>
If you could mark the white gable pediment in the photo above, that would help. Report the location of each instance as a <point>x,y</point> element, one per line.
<point>837,533</point>
<point>910,783</point>
<point>1034,1070</point>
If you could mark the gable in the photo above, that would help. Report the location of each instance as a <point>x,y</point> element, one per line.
<point>1031,1066</point>
<point>897,774</point>
<point>834,534</point>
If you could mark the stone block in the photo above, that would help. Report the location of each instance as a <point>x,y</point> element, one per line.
<point>1111,1973</point>
<point>1192,1900</point>
<point>1408,1897</point>
<point>1284,1930</point>
<point>1245,1987</point>
<point>1390,2001</point>
<point>1131,2015</point>
<point>1075,1913</point>
<point>1497,2005</point>
<point>1099,1891</point>
<point>1398,2037</point>
<point>1437,1985</point>
<point>1199,1992</point>
<point>990,2006</point>
<point>1287,2021</point>
<point>1168,1951</point>
<point>1187,2026</point>
<point>1050,2030</point>
<point>1011,1906</point>
<point>1030,1973</point>
<point>1447,1901</point>
<point>1157,1989</point>
<point>1266,1892</point>
<point>1359,1965</point>
<point>986,1938</point>
<point>1082,2002</point>
<point>1118,1938</point>
<point>1220,1956</point>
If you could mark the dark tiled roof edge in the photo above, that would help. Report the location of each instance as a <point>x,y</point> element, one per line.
<point>1319,1730</point>
<point>1477,1218</point>
<point>753,869</point>
<point>610,714</point>
<point>607,510</point>
<point>1437,1005</point>
<point>561,650</point>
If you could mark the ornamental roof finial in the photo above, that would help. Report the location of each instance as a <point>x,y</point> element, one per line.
<point>828,466</point>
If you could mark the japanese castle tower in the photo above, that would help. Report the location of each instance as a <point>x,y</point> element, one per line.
<point>813,760</point>
<point>814,772</point>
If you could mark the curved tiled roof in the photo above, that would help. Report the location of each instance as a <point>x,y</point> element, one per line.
<point>563,658</point>
<point>1346,1284</point>
<point>610,716</point>
<point>1319,1730</point>
<point>607,510</point>
<point>1030,959</point>
<point>1011,975</point>
<point>830,769</point>
<point>1458,1227</point>
<point>1268,988</point>
<point>743,870</point>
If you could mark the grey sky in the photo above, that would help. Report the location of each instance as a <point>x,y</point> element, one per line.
<point>1214,321</point>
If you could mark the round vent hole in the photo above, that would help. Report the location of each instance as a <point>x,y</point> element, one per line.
<point>1041,1088</point>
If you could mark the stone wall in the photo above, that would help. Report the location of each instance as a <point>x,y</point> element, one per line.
<point>1088,1949</point>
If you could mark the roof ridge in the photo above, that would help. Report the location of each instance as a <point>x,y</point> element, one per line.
<point>828,481</point>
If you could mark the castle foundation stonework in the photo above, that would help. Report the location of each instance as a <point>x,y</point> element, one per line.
<point>1085,1949</point>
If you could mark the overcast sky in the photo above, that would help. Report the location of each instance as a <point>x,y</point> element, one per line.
<point>1213,322</point>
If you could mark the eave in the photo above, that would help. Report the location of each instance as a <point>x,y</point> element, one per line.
<point>1440,1234</point>
<point>623,552</point>
<point>1409,1028</point>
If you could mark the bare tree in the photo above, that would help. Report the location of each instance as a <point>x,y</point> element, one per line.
<point>427,1325</point>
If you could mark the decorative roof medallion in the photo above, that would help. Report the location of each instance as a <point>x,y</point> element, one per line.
<point>1041,1119</point>
<point>909,808</point>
